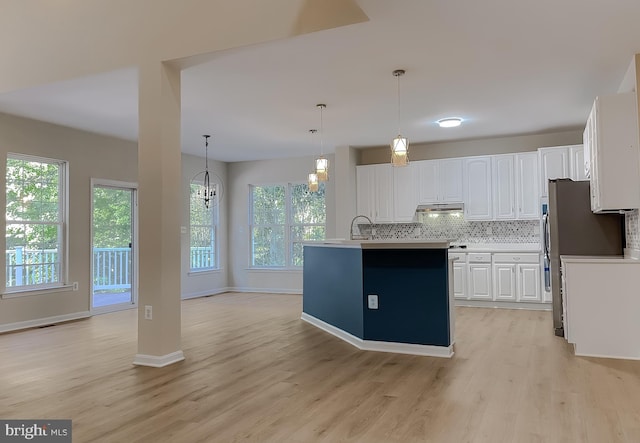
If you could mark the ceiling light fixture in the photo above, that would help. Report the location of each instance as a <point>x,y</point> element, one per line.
<point>312,179</point>
<point>210,188</point>
<point>399,145</point>
<point>322,164</point>
<point>450,122</point>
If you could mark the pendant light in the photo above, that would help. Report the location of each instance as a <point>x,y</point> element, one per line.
<point>312,180</point>
<point>322,163</point>
<point>210,185</point>
<point>399,145</point>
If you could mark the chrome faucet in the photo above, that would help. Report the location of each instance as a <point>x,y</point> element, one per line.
<point>361,236</point>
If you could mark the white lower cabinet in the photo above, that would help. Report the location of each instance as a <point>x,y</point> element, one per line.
<point>459,275</point>
<point>497,277</point>
<point>480,281</point>
<point>504,282</point>
<point>516,277</point>
<point>529,282</point>
<point>460,280</point>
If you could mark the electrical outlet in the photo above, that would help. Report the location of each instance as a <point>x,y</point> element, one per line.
<point>372,301</point>
<point>75,285</point>
<point>489,230</point>
<point>148,312</point>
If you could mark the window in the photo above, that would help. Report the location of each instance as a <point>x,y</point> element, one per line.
<point>282,218</point>
<point>35,222</point>
<point>202,230</point>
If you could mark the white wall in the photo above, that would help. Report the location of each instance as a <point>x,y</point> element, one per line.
<point>89,156</point>
<point>195,284</point>
<point>243,174</point>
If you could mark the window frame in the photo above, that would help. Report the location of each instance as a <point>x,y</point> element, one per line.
<point>288,226</point>
<point>213,206</point>
<point>62,228</point>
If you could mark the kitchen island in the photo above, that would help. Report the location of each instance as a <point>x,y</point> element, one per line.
<point>393,296</point>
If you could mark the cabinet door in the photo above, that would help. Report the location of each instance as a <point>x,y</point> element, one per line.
<point>450,180</point>
<point>383,178</point>
<point>576,156</point>
<point>527,186</point>
<point>404,201</point>
<point>428,182</point>
<point>504,282</point>
<point>554,163</point>
<point>529,283</point>
<point>480,281</point>
<point>460,280</point>
<point>504,187</point>
<point>365,190</point>
<point>477,188</point>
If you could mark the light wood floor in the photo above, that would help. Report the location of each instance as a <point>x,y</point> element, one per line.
<point>254,371</point>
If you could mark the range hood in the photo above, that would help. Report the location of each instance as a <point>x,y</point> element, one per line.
<point>440,208</point>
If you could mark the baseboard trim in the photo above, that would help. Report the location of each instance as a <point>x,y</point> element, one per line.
<point>44,321</point>
<point>205,293</point>
<point>380,346</point>
<point>158,361</point>
<point>504,305</point>
<point>266,290</point>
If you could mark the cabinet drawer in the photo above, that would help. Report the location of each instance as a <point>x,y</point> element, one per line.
<point>461,256</point>
<point>481,257</point>
<point>516,258</point>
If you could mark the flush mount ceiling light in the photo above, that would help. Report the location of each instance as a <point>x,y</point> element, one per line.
<point>312,179</point>
<point>450,122</point>
<point>322,164</point>
<point>399,145</point>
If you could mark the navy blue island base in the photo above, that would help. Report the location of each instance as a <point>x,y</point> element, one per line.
<point>413,285</point>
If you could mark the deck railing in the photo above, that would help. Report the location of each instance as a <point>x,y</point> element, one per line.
<point>111,269</point>
<point>111,266</point>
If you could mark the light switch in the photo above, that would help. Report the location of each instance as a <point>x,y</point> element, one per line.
<point>372,301</point>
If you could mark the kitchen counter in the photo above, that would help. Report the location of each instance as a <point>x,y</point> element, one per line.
<point>500,247</point>
<point>393,296</point>
<point>600,305</point>
<point>384,244</point>
<point>603,259</point>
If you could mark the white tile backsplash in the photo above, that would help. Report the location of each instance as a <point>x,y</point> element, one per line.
<point>632,229</point>
<point>459,230</point>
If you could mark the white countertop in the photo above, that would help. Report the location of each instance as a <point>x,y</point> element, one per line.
<point>603,259</point>
<point>500,247</point>
<point>381,244</point>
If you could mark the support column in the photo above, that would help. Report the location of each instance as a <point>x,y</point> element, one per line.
<point>345,181</point>
<point>159,203</point>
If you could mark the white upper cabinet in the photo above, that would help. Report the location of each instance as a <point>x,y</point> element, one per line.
<point>451,180</point>
<point>365,191</point>
<point>504,187</point>
<point>527,186</point>
<point>554,163</point>
<point>578,167</point>
<point>386,194</point>
<point>383,178</point>
<point>428,177</point>
<point>439,181</point>
<point>477,188</point>
<point>516,193</point>
<point>404,193</point>
<point>613,147</point>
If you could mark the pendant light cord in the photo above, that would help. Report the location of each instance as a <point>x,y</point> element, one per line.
<point>398,77</point>
<point>321,106</point>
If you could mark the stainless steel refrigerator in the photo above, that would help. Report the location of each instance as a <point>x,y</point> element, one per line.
<point>570,228</point>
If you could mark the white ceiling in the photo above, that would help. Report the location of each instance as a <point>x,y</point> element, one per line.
<point>505,66</point>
